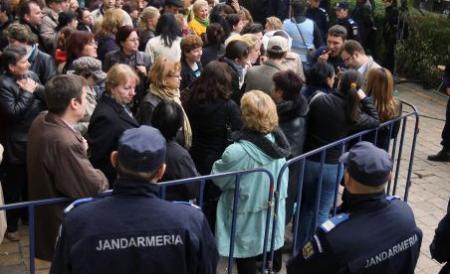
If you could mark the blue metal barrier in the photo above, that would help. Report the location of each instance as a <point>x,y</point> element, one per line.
<point>396,151</point>
<point>391,187</point>
<point>31,205</point>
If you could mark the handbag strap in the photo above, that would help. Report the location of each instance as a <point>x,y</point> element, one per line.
<point>299,31</point>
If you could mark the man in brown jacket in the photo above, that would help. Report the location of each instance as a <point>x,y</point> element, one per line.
<point>57,158</point>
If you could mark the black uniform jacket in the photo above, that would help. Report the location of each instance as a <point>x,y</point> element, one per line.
<point>133,231</point>
<point>377,235</point>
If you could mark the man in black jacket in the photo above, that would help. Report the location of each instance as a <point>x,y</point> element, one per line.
<point>40,62</point>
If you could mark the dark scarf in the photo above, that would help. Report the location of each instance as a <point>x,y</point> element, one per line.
<point>279,149</point>
<point>290,110</point>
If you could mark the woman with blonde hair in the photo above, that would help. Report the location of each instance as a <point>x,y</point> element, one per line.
<point>165,86</point>
<point>380,86</point>
<point>254,44</point>
<point>112,20</point>
<point>112,117</point>
<point>147,25</point>
<point>260,144</point>
<point>200,22</point>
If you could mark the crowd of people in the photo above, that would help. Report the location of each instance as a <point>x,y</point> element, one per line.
<point>123,94</point>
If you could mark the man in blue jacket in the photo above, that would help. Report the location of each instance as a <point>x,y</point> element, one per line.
<point>133,231</point>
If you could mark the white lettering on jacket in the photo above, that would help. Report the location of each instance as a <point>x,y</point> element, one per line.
<point>386,254</point>
<point>140,241</point>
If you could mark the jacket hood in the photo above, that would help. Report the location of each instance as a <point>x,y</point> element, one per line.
<point>263,148</point>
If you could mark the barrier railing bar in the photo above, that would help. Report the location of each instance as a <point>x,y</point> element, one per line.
<point>391,128</point>
<point>32,243</point>
<point>411,158</point>
<point>233,222</point>
<point>299,202</point>
<point>270,206</point>
<point>319,186</point>
<point>399,157</point>
<point>336,189</point>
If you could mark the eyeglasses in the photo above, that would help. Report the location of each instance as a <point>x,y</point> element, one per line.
<point>347,59</point>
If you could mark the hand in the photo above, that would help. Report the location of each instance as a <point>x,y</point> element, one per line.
<point>361,94</point>
<point>142,69</point>
<point>27,84</point>
<point>324,57</point>
<point>235,5</point>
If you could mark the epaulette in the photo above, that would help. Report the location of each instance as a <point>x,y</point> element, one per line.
<point>187,204</point>
<point>76,203</point>
<point>324,11</point>
<point>392,197</point>
<point>351,21</point>
<point>333,222</point>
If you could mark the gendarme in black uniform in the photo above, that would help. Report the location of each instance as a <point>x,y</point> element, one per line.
<point>348,23</point>
<point>133,231</point>
<point>378,234</point>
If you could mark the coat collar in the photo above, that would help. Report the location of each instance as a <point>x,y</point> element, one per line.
<point>56,120</point>
<point>366,202</point>
<point>127,187</point>
<point>119,109</point>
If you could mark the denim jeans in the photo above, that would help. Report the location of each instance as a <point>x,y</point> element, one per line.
<point>308,222</point>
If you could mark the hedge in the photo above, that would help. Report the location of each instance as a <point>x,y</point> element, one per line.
<point>426,47</point>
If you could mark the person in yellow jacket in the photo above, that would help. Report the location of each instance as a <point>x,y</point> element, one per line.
<point>200,22</point>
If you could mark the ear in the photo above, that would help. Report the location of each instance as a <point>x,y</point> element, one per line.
<point>114,159</point>
<point>11,67</point>
<point>74,104</point>
<point>160,173</point>
<point>347,180</point>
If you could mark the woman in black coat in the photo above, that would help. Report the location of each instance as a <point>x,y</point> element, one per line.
<point>331,117</point>
<point>111,118</point>
<point>21,100</point>
<point>213,115</point>
<point>292,108</point>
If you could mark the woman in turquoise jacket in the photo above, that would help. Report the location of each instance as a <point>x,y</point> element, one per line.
<point>260,144</point>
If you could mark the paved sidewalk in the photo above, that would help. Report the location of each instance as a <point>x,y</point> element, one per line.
<point>428,196</point>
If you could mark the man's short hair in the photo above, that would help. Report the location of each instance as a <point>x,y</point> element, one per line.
<point>60,90</point>
<point>352,46</point>
<point>24,8</point>
<point>21,33</point>
<point>338,31</point>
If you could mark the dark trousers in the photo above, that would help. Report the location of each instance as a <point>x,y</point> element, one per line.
<point>14,184</point>
<point>446,131</point>
<point>248,265</point>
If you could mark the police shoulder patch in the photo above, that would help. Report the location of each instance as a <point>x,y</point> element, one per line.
<point>392,197</point>
<point>311,248</point>
<point>333,222</point>
<point>76,203</point>
<point>351,21</point>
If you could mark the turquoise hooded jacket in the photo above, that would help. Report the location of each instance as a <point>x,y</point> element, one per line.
<point>253,203</point>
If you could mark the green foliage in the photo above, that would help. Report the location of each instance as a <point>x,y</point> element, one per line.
<point>426,46</point>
